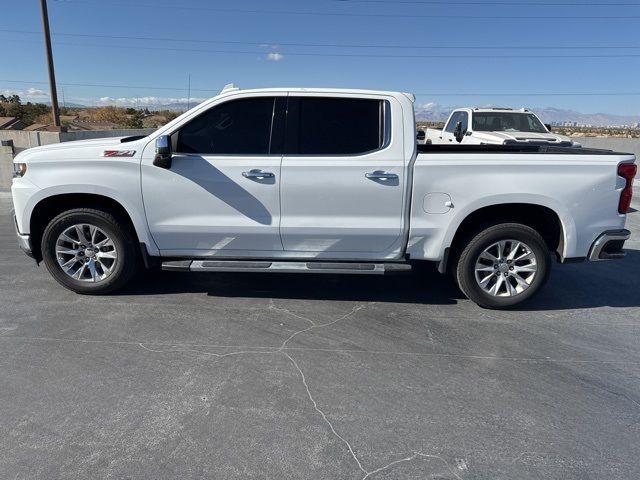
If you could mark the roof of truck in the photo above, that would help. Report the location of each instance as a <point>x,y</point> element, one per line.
<point>232,88</point>
<point>496,109</point>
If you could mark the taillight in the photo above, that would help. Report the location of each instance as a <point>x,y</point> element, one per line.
<point>626,171</point>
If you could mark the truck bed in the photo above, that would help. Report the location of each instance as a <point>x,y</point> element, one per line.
<point>548,149</point>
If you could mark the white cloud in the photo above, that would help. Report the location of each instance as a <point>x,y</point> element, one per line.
<point>429,106</point>
<point>36,92</point>
<point>29,95</point>
<point>147,101</point>
<point>275,56</point>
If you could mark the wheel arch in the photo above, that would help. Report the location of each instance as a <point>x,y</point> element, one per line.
<point>542,218</point>
<point>49,207</point>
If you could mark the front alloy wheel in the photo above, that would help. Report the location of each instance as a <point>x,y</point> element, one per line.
<point>90,251</point>
<point>86,253</point>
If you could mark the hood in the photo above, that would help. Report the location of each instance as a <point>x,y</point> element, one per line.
<point>500,137</point>
<point>84,149</point>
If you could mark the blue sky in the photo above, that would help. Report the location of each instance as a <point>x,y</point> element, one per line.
<point>391,53</point>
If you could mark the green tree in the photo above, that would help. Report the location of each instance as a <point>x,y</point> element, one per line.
<point>15,99</point>
<point>135,120</point>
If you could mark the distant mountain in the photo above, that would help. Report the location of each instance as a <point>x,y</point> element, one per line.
<point>433,112</point>
<point>174,107</point>
<point>555,115</point>
<point>66,104</point>
<point>73,105</point>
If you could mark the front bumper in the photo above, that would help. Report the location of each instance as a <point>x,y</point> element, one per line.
<point>24,241</point>
<point>609,245</point>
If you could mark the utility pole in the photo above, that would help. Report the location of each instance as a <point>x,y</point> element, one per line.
<point>189,93</point>
<point>52,76</point>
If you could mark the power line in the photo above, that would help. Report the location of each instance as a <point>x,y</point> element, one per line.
<point>563,18</point>
<point>438,94</point>
<point>101,85</point>
<point>500,3</point>
<point>275,44</point>
<point>539,94</point>
<point>357,55</point>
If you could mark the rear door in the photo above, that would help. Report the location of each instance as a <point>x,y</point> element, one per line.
<point>343,177</point>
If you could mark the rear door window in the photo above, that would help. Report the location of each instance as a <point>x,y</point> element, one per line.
<point>336,126</point>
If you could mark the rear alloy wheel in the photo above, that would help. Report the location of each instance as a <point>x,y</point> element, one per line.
<point>89,251</point>
<point>503,265</point>
<point>506,269</point>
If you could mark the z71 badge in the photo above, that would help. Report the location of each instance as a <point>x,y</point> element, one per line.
<point>118,153</point>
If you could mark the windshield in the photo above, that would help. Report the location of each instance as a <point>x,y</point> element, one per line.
<point>507,122</point>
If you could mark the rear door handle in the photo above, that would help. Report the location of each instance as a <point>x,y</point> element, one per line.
<point>257,174</point>
<point>380,175</point>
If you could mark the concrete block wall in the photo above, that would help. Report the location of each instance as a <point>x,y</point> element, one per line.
<point>23,140</point>
<point>6,164</point>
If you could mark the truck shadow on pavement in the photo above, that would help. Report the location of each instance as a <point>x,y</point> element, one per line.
<point>420,287</point>
<point>614,283</point>
<point>577,286</point>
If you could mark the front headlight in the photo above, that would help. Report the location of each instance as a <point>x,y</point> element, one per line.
<point>19,169</point>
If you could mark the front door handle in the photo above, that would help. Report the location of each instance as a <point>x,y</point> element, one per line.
<point>380,175</point>
<point>259,174</point>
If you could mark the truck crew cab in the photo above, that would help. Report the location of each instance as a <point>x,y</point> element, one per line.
<point>316,181</point>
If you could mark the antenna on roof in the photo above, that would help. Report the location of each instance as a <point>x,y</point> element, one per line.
<point>229,87</point>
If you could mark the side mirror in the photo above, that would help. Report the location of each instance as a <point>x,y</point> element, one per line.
<point>422,135</point>
<point>548,126</point>
<point>458,133</point>
<point>163,152</point>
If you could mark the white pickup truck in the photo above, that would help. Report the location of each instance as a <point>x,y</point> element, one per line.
<point>319,181</point>
<point>495,126</point>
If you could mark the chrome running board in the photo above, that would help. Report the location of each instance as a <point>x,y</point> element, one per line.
<point>257,266</point>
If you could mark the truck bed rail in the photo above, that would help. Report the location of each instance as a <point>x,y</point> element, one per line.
<point>549,149</point>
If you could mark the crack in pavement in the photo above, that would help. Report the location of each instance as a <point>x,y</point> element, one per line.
<point>281,350</point>
<point>289,312</point>
<point>295,334</point>
<point>324,416</point>
<point>409,459</point>
<point>218,355</point>
<point>367,473</point>
<point>329,350</point>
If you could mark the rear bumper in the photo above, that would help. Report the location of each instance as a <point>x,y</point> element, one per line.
<point>609,245</point>
<point>24,241</point>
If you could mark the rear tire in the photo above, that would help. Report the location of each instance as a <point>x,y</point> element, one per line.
<point>503,265</point>
<point>90,251</point>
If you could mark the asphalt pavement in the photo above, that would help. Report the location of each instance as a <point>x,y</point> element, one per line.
<point>254,376</point>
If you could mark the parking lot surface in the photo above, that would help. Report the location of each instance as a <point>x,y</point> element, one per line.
<point>247,376</point>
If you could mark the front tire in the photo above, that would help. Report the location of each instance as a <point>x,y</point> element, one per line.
<point>503,265</point>
<point>89,251</point>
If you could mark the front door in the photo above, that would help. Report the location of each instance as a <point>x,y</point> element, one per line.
<point>343,178</point>
<point>221,194</point>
